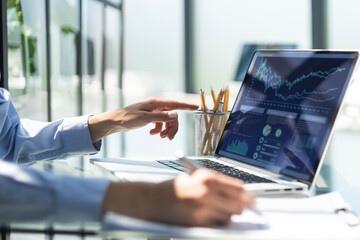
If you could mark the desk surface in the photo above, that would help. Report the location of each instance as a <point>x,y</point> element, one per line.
<point>339,173</point>
<point>91,230</point>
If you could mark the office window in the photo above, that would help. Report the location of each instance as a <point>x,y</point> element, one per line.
<point>81,71</point>
<point>153,65</point>
<point>343,17</point>
<point>112,56</point>
<point>92,56</point>
<point>27,57</point>
<point>64,39</point>
<point>153,48</point>
<point>221,28</point>
<point>116,2</point>
<point>112,73</point>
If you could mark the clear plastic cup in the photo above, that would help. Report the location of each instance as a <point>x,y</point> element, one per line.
<point>208,129</point>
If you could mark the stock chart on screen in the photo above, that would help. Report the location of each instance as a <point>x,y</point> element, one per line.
<point>285,110</point>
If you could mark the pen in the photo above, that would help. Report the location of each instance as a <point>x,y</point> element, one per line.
<point>192,167</point>
<point>186,162</point>
<point>349,217</point>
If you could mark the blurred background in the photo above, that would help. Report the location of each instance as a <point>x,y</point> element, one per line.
<point>76,57</point>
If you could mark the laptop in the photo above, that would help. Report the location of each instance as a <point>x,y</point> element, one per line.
<point>279,128</point>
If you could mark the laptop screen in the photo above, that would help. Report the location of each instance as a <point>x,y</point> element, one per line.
<point>283,115</point>
<point>248,51</point>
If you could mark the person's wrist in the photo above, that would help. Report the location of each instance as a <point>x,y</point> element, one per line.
<point>108,200</point>
<point>132,199</point>
<point>100,126</point>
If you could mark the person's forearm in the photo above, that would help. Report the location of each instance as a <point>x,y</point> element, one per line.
<point>138,115</point>
<point>99,127</point>
<point>130,198</point>
<point>204,198</point>
<point>27,194</point>
<point>106,123</point>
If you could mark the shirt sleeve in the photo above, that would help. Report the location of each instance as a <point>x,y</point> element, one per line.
<point>23,140</point>
<point>30,195</point>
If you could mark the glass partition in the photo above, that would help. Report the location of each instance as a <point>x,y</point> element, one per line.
<point>64,28</point>
<point>153,66</point>
<point>84,58</point>
<point>92,56</point>
<point>27,57</point>
<point>341,169</point>
<point>113,97</point>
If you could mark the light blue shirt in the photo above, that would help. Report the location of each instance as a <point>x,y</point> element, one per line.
<point>29,194</point>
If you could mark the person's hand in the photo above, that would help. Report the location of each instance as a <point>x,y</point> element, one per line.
<point>138,115</point>
<point>204,198</point>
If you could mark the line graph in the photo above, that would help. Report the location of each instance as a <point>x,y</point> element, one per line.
<point>297,89</point>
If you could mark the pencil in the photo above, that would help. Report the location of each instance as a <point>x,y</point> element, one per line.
<point>226,100</point>
<point>206,120</point>
<point>225,109</point>
<point>211,125</point>
<point>218,99</point>
<point>213,95</point>
<point>203,105</point>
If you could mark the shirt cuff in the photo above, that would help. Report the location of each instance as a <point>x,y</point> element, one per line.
<point>77,136</point>
<point>29,195</point>
<point>82,200</point>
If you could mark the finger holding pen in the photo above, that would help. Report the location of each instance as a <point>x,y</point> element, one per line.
<point>226,190</point>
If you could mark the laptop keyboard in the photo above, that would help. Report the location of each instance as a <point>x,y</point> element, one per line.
<point>224,169</point>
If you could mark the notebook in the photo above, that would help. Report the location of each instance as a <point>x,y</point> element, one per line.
<point>279,128</point>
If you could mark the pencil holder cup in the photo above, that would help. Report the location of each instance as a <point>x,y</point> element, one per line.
<point>208,129</point>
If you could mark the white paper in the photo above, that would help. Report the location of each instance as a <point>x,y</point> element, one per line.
<point>325,203</point>
<point>280,218</point>
<point>244,222</point>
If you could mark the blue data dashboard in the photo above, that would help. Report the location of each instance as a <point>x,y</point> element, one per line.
<point>285,110</point>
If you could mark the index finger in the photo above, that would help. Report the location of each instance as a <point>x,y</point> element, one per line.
<point>162,104</point>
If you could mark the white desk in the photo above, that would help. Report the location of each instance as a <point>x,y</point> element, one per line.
<point>290,218</point>
<point>93,232</point>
